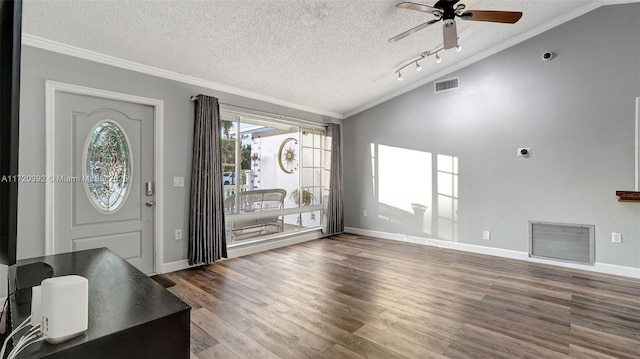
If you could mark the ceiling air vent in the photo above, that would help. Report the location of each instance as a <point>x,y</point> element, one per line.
<point>447,85</point>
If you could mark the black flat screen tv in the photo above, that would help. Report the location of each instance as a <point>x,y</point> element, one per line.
<point>10,40</point>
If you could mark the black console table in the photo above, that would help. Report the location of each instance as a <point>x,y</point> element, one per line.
<point>130,315</point>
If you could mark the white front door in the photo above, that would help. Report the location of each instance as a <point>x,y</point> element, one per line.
<point>103,185</point>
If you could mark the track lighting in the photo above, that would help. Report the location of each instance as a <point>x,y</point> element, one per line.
<point>421,57</point>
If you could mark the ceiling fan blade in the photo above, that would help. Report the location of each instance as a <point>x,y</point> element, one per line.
<point>505,17</point>
<point>450,35</point>
<point>417,7</point>
<point>411,31</point>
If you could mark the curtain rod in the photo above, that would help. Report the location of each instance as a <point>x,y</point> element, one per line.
<point>294,120</point>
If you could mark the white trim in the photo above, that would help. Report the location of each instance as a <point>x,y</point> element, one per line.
<point>272,213</point>
<point>480,56</point>
<point>50,45</point>
<point>262,116</point>
<point>175,266</point>
<point>51,88</point>
<point>505,253</point>
<point>239,251</point>
<point>50,138</point>
<point>637,144</point>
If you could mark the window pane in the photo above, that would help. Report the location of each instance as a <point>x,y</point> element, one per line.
<point>307,138</point>
<point>307,157</point>
<point>107,167</point>
<point>317,195</point>
<point>307,177</point>
<point>317,179</point>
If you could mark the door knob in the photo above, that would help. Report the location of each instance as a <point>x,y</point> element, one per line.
<point>150,203</point>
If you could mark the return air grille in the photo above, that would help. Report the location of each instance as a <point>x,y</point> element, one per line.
<point>565,242</point>
<point>447,85</point>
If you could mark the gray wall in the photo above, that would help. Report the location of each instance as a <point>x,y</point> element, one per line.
<point>576,112</point>
<point>39,65</point>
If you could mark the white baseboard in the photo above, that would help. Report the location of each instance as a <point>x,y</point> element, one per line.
<point>252,248</point>
<point>505,253</point>
<point>175,266</point>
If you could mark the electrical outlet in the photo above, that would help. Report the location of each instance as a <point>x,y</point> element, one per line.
<point>365,213</point>
<point>486,235</point>
<point>178,234</point>
<point>616,237</point>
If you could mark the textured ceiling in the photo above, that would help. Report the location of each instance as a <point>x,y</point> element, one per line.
<point>328,57</point>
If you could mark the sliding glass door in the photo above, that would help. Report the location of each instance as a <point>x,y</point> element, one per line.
<point>272,176</point>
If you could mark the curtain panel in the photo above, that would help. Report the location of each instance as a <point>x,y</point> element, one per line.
<point>207,242</point>
<point>334,213</point>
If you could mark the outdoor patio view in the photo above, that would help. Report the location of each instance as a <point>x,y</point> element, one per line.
<point>272,177</point>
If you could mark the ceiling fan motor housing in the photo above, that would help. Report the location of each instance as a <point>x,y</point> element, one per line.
<point>448,12</point>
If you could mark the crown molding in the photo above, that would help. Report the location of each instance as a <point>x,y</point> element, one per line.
<point>58,47</point>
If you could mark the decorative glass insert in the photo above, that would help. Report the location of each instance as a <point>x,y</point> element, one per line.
<point>107,167</point>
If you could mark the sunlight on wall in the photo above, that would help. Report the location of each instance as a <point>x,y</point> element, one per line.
<point>405,187</point>
<point>374,169</point>
<point>447,180</point>
<point>417,194</point>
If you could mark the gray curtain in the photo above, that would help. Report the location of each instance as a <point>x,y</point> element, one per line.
<point>334,214</point>
<point>207,241</point>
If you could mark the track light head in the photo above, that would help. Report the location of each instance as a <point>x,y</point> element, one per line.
<point>399,76</point>
<point>418,67</point>
<point>438,58</point>
<point>458,48</point>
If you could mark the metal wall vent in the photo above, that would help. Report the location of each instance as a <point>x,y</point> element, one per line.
<point>447,85</point>
<point>565,242</point>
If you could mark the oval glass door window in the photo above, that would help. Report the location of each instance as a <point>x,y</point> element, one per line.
<point>107,166</point>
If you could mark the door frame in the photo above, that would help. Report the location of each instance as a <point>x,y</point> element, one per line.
<point>51,89</point>
<point>637,149</point>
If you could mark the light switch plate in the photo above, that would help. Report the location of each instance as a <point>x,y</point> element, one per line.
<point>178,181</point>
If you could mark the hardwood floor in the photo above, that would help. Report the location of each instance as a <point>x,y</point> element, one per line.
<point>352,296</point>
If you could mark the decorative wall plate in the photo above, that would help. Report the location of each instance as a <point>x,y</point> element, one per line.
<point>288,155</point>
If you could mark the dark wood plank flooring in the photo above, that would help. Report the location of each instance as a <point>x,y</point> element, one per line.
<point>350,296</point>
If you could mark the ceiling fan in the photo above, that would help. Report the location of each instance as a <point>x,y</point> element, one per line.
<point>447,11</point>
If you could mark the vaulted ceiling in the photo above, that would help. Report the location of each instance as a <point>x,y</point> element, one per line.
<point>324,56</point>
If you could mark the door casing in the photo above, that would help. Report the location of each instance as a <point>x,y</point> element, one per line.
<point>51,89</point>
